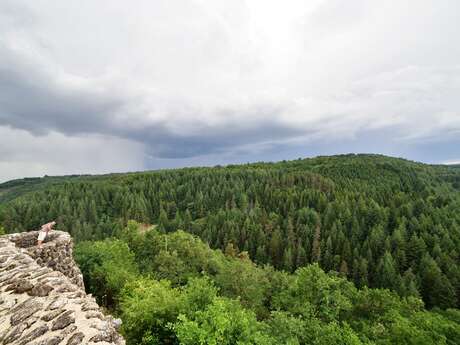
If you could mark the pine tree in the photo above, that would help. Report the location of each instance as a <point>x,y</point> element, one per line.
<point>316,247</point>
<point>343,269</point>
<point>388,276</point>
<point>301,259</point>
<point>276,248</point>
<point>163,221</point>
<point>363,273</point>
<point>288,262</point>
<point>409,284</point>
<point>435,287</point>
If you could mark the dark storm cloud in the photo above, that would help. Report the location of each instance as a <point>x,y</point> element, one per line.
<point>211,140</point>
<point>37,104</point>
<point>30,99</point>
<point>182,82</point>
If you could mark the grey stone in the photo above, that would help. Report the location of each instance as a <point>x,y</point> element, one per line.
<point>51,263</point>
<point>9,277</point>
<point>94,314</point>
<point>24,275</point>
<point>101,325</point>
<point>79,300</point>
<point>116,323</point>
<point>23,305</point>
<point>23,311</point>
<point>76,294</point>
<point>57,303</point>
<point>89,306</point>
<point>11,266</point>
<point>41,272</point>
<point>68,330</point>
<point>50,275</point>
<point>52,315</point>
<point>20,286</point>
<point>41,290</point>
<point>31,320</point>
<point>50,341</point>
<point>54,341</point>
<point>55,295</point>
<point>8,305</point>
<point>102,336</point>
<point>76,339</point>
<point>66,288</point>
<point>15,333</point>
<point>34,334</point>
<point>107,332</point>
<point>63,320</point>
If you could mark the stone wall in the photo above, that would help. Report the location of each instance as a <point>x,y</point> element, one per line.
<point>42,298</point>
<point>55,252</point>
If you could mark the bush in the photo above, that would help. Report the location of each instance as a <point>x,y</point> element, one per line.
<point>106,266</point>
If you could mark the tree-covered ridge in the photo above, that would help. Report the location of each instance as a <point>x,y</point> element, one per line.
<point>173,289</point>
<point>379,221</point>
<point>15,188</point>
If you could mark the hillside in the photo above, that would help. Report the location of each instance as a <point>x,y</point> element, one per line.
<point>15,188</point>
<point>378,221</point>
<point>173,289</point>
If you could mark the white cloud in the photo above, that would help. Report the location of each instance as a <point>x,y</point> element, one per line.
<point>193,78</point>
<point>452,162</point>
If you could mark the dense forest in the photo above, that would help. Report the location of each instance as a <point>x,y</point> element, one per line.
<point>173,289</point>
<point>379,221</point>
<point>369,220</point>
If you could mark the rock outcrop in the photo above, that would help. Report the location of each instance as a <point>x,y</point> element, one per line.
<point>42,296</point>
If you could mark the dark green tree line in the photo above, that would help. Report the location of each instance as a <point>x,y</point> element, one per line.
<point>378,221</point>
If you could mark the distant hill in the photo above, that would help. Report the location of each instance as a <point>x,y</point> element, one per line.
<point>379,221</point>
<point>14,188</point>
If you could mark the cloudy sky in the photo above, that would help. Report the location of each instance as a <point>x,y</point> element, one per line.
<point>101,86</point>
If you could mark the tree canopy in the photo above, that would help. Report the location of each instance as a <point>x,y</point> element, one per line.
<point>378,221</point>
<point>374,221</point>
<point>225,298</point>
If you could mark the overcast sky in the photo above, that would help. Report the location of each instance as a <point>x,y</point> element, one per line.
<point>102,86</point>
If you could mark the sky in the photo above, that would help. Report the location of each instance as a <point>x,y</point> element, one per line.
<point>110,86</point>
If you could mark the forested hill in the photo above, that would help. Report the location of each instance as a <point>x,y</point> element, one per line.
<point>379,221</point>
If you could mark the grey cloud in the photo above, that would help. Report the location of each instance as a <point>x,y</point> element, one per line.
<point>23,154</point>
<point>213,140</point>
<point>216,79</point>
<point>32,99</point>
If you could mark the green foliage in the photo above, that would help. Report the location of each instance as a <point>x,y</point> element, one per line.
<point>287,329</point>
<point>148,307</point>
<point>332,333</point>
<point>371,218</point>
<point>198,294</point>
<point>436,288</point>
<point>106,266</point>
<point>386,319</point>
<point>2,230</point>
<point>315,293</point>
<point>132,236</point>
<point>243,279</point>
<point>175,256</point>
<point>380,232</point>
<point>222,322</point>
<point>233,301</point>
